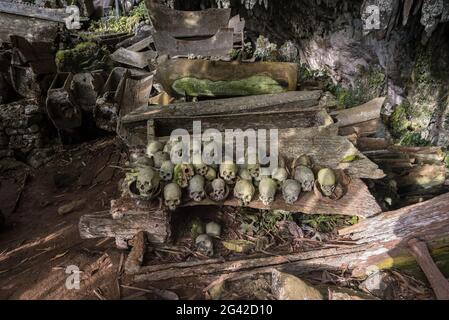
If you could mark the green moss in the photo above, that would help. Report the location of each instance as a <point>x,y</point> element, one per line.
<point>446,159</point>
<point>124,23</point>
<point>407,263</point>
<point>254,85</point>
<point>196,227</point>
<point>84,56</point>
<point>328,223</point>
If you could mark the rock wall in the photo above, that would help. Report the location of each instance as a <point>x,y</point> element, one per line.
<point>406,58</point>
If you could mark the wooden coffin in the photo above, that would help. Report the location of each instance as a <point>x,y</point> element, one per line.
<point>204,23</point>
<point>226,79</point>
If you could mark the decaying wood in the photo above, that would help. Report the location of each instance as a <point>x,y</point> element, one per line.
<point>187,23</point>
<point>374,242</point>
<point>61,107</point>
<point>141,45</point>
<point>132,58</point>
<point>369,144</point>
<point>174,69</point>
<point>135,93</point>
<point>32,29</point>
<point>331,151</point>
<point>288,101</point>
<point>127,218</point>
<point>31,11</point>
<point>358,201</point>
<point>135,258</point>
<point>437,280</point>
<point>363,129</point>
<point>217,46</point>
<point>366,112</point>
<point>424,177</point>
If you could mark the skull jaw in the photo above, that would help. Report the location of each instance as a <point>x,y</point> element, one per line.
<point>307,186</point>
<point>327,190</point>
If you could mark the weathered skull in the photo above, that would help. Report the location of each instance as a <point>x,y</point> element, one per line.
<point>305,177</point>
<point>290,191</point>
<point>211,174</point>
<point>254,170</point>
<point>304,160</point>
<point>196,188</point>
<point>327,181</point>
<point>213,229</point>
<point>201,169</point>
<point>220,190</point>
<point>228,171</point>
<point>205,245</point>
<point>147,182</point>
<point>244,191</point>
<point>172,196</point>
<point>153,147</point>
<point>182,174</point>
<point>159,158</point>
<point>166,170</point>
<point>280,175</point>
<point>267,191</point>
<point>244,174</point>
<point>212,152</point>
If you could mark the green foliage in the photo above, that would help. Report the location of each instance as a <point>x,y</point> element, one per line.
<point>123,23</point>
<point>446,159</point>
<point>196,227</point>
<point>254,85</point>
<point>264,222</point>
<point>84,56</point>
<point>328,223</point>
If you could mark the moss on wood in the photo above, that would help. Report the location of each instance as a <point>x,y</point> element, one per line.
<point>254,85</point>
<point>84,56</point>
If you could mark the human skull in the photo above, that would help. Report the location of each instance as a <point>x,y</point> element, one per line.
<point>304,175</point>
<point>304,160</point>
<point>220,190</point>
<point>228,171</point>
<point>201,169</point>
<point>290,191</point>
<point>211,174</point>
<point>244,174</point>
<point>159,158</point>
<point>153,147</point>
<point>147,182</point>
<point>172,196</point>
<point>213,229</point>
<point>244,191</point>
<point>182,174</point>
<point>267,191</point>
<point>327,181</point>
<point>280,175</point>
<point>196,188</point>
<point>205,245</point>
<point>166,170</point>
<point>254,170</point>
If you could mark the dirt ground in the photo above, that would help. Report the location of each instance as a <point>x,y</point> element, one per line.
<point>38,243</point>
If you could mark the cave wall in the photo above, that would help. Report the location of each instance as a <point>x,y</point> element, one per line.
<point>407,59</point>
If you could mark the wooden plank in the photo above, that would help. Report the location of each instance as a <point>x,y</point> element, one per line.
<point>366,112</point>
<point>131,58</point>
<point>288,101</point>
<point>31,11</point>
<point>187,23</point>
<point>285,74</point>
<point>358,201</point>
<point>217,46</point>
<point>32,29</point>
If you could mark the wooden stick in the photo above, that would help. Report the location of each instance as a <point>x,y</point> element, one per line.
<point>439,283</point>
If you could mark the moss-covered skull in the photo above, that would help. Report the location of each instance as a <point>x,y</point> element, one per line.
<point>148,182</point>
<point>244,191</point>
<point>304,175</point>
<point>153,147</point>
<point>228,171</point>
<point>182,174</point>
<point>267,191</point>
<point>196,188</point>
<point>166,170</point>
<point>219,191</point>
<point>327,181</point>
<point>205,245</point>
<point>291,190</point>
<point>172,196</point>
<point>159,158</point>
<point>279,175</point>
<point>211,174</point>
